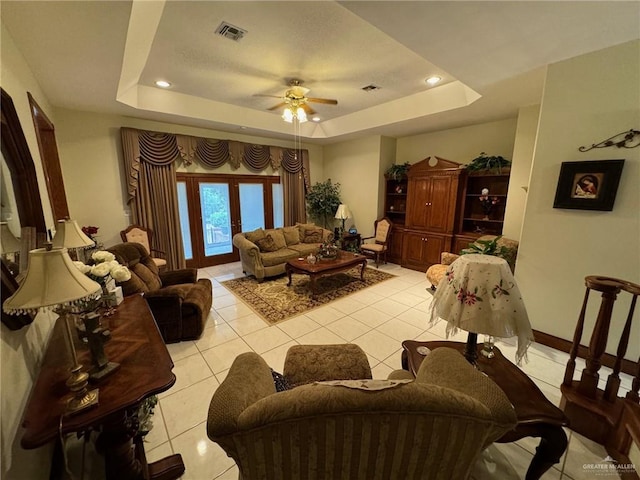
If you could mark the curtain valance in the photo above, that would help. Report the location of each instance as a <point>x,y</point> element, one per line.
<point>158,148</point>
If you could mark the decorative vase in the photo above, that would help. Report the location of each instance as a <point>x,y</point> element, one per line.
<point>311,258</point>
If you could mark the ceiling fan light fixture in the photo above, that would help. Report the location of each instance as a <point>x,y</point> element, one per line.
<point>287,115</point>
<point>301,114</point>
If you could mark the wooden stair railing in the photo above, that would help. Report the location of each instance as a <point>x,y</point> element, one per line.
<point>597,414</point>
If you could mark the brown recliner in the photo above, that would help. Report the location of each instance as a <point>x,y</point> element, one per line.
<point>179,301</point>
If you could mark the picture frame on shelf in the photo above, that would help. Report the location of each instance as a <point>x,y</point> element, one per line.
<point>588,185</point>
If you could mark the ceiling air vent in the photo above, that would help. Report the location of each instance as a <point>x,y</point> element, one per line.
<point>230,31</point>
<point>370,88</point>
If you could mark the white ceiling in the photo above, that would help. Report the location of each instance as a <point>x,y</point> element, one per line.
<point>105,56</point>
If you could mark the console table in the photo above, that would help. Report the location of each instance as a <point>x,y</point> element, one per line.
<point>537,416</point>
<point>145,369</point>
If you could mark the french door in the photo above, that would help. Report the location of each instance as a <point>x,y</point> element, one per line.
<point>213,208</point>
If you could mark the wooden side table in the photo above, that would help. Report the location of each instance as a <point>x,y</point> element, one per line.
<point>537,416</point>
<point>145,369</point>
<point>350,240</point>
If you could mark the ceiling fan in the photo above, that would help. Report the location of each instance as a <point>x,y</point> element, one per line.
<point>295,97</point>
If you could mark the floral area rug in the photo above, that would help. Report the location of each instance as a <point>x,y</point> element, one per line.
<point>274,301</point>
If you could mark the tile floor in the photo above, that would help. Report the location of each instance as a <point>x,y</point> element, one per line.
<point>377,319</point>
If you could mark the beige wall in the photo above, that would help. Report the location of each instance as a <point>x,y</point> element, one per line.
<point>586,100</point>
<point>91,160</point>
<point>523,148</point>
<point>355,164</point>
<point>21,351</point>
<point>460,144</point>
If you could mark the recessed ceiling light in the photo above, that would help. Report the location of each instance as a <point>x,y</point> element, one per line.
<point>163,84</point>
<point>433,79</point>
<point>316,119</point>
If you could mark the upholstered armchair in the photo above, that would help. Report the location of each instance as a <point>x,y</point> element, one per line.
<point>430,427</point>
<point>377,248</point>
<point>436,272</point>
<point>179,301</point>
<point>144,236</point>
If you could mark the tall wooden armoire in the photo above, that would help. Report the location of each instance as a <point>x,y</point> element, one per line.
<point>434,192</point>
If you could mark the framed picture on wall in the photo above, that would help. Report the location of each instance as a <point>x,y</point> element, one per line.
<point>588,185</point>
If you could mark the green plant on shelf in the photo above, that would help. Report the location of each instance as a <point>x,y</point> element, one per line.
<point>484,162</point>
<point>398,171</point>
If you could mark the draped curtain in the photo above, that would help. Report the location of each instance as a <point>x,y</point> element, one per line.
<point>150,165</point>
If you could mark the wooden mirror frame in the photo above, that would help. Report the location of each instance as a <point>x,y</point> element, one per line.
<point>25,187</point>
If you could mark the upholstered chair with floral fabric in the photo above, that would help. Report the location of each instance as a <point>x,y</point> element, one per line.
<point>180,303</point>
<point>378,247</point>
<point>354,428</point>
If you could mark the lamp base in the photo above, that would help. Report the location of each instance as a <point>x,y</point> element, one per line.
<point>82,398</point>
<point>471,350</point>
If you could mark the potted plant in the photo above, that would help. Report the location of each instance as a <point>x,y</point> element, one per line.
<point>484,162</point>
<point>398,171</point>
<point>323,199</point>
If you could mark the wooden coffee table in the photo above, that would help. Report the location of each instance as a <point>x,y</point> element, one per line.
<point>344,261</point>
<point>537,416</point>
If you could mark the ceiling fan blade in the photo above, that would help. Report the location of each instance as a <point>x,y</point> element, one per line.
<point>308,109</point>
<point>270,96</point>
<point>328,101</point>
<point>275,107</point>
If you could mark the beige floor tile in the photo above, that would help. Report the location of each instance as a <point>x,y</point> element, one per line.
<point>321,336</point>
<point>188,371</point>
<point>226,301</point>
<point>188,407</point>
<point>407,298</point>
<point>377,344</point>
<point>394,360</point>
<point>158,434</point>
<point>213,319</point>
<point>381,371</point>
<point>325,314</point>
<point>232,312</point>
<point>216,335</point>
<point>298,326</point>
<point>203,459</point>
<point>348,328</point>
<point>370,317</point>
<point>581,452</point>
<point>159,452</point>
<point>248,324</point>
<point>390,307</point>
<point>415,317</point>
<point>182,350</point>
<point>221,357</point>
<point>383,290</point>
<point>399,330</point>
<point>366,296</point>
<point>519,460</point>
<point>348,305</point>
<point>266,339</point>
<point>440,329</point>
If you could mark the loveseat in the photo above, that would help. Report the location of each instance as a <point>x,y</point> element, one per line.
<point>264,253</point>
<point>431,427</point>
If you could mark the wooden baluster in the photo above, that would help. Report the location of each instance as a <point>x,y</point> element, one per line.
<point>577,336</point>
<point>613,382</point>
<point>588,385</point>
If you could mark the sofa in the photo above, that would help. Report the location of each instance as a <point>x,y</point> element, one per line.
<point>506,245</point>
<point>264,253</point>
<point>180,303</point>
<point>353,428</point>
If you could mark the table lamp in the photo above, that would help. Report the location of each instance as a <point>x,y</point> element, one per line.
<point>70,235</point>
<point>53,282</point>
<point>478,294</point>
<point>343,213</point>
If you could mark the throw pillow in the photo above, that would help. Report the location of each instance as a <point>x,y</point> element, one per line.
<point>291,235</point>
<point>312,235</point>
<point>280,381</point>
<point>266,244</point>
<point>255,235</point>
<point>278,237</point>
<point>302,227</point>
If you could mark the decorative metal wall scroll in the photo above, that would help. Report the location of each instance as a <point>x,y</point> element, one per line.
<point>630,139</point>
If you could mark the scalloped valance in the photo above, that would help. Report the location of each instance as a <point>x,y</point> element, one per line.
<point>159,148</point>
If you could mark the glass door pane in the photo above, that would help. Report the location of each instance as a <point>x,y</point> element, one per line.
<point>185,228</point>
<point>251,206</point>
<point>216,218</point>
<point>278,205</point>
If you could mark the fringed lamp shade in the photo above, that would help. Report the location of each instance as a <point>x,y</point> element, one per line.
<point>69,235</point>
<point>52,280</point>
<point>8,243</point>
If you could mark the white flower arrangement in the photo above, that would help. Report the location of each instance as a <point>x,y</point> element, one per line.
<point>105,266</point>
